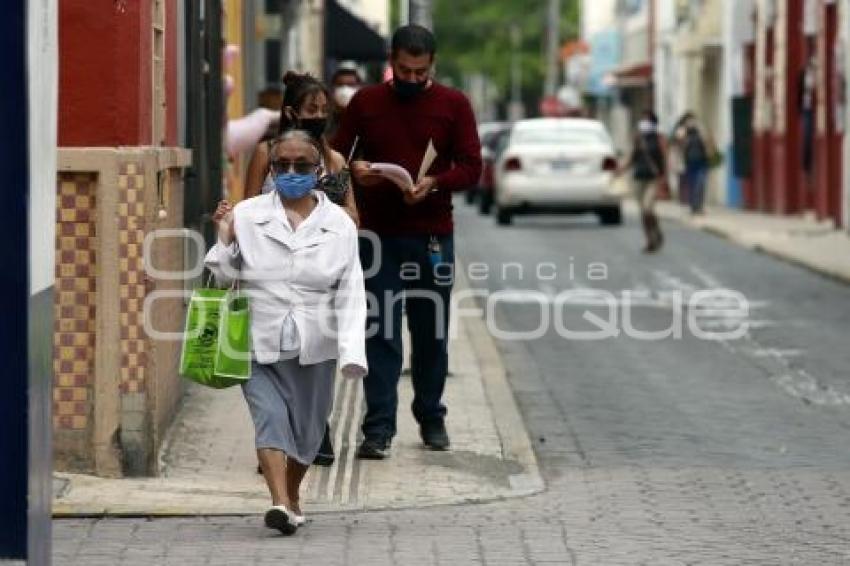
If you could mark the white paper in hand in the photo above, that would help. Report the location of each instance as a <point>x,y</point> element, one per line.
<point>427,160</point>
<point>394,173</point>
<point>400,176</point>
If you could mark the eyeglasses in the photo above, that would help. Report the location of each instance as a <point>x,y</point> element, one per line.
<point>299,166</point>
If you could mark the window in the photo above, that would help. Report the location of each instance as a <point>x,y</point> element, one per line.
<point>566,136</point>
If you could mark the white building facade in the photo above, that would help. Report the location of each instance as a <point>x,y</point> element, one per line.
<point>692,73</point>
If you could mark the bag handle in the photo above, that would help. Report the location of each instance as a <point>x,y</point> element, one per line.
<point>234,285</point>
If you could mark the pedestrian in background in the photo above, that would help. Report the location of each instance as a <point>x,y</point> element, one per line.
<point>676,162</point>
<point>395,122</point>
<point>698,151</point>
<point>648,171</point>
<point>294,254</point>
<point>345,83</point>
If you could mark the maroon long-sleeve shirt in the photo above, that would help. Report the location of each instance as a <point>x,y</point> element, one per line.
<point>396,131</point>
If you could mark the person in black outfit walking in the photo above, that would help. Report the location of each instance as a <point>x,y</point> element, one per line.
<point>648,170</point>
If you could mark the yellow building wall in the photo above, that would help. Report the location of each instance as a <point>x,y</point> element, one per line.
<point>232,28</point>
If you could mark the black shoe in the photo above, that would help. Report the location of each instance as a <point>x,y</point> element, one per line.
<point>325,457</point>
<point>280,518</point>
<point>374,449</point>
<point>434,435</point>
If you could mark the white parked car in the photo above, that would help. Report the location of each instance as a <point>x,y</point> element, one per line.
<point>563,165</point>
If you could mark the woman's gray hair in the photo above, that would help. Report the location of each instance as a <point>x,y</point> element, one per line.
<point>298,135</point>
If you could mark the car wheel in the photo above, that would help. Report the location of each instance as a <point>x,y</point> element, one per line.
<point>611,216</point>
<point>504,216</point>
<point>485,203</point>
<point>469,196</point>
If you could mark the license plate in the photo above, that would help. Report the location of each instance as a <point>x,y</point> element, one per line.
<point>562,165</point>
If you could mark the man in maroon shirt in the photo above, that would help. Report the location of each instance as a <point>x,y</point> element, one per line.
<point>411,253</point>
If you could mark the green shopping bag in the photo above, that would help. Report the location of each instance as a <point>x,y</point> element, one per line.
<point>217,339</point>
<point>233,356</point>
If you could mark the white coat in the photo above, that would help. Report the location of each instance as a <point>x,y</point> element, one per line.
<point>312,272</point>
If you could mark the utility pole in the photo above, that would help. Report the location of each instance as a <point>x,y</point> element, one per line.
<point>420,13</point>
<point>515,110</point>
<point>553,20</point>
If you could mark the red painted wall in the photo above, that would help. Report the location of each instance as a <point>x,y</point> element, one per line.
<point>778,161</point>
<point>763,141</point>
<point>828,143</point>
<point>104,72</point>
<point>792,198</point>
<point>784,191</point>
<point>747,184</point>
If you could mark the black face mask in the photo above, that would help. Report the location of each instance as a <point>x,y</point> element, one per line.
<point>407,89</point>
<point>314,126</point>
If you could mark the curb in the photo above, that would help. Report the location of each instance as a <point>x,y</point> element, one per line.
<point>516,443</point>
<point>832,274</point>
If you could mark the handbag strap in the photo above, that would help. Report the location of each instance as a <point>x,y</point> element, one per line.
<point>234,285</point>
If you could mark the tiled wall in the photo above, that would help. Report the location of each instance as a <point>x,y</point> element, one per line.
<point>76,268</point>
<point>116,389</point>
<point>131,273</point>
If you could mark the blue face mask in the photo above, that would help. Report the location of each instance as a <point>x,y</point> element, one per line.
<point>294,186</point>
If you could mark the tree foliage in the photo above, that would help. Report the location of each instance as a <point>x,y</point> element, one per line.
<point>474,36</point>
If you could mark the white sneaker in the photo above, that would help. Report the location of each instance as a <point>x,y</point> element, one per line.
<point>280,518</point>
<point>299,520</point>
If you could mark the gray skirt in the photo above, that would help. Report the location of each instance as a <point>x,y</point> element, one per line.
<point>290,405</point>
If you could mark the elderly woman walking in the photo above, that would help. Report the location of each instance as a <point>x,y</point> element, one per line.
<point>305,105</point>
<point>295,256</point>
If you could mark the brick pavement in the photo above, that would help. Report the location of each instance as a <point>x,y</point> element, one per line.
<point>687,456</point>
<point>591,513</point>
<point>208,464</point>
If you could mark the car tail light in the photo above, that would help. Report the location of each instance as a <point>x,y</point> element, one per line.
<point>513,164</point>
<point>609,164</point>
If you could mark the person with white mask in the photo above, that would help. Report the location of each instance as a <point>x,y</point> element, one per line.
<point>345,83</point>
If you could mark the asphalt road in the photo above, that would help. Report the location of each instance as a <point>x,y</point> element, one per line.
<point>681,450</point>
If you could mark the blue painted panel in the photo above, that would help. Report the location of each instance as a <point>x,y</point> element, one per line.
<point>605,48</point>
<point>14,284</point>
<point>734,192</point>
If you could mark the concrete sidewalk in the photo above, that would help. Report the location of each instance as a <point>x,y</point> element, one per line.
<point>208,465</point>
<point>797,239</point>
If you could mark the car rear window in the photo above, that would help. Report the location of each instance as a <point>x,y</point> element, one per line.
<point>566,136</point>
<point>491,139</point>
